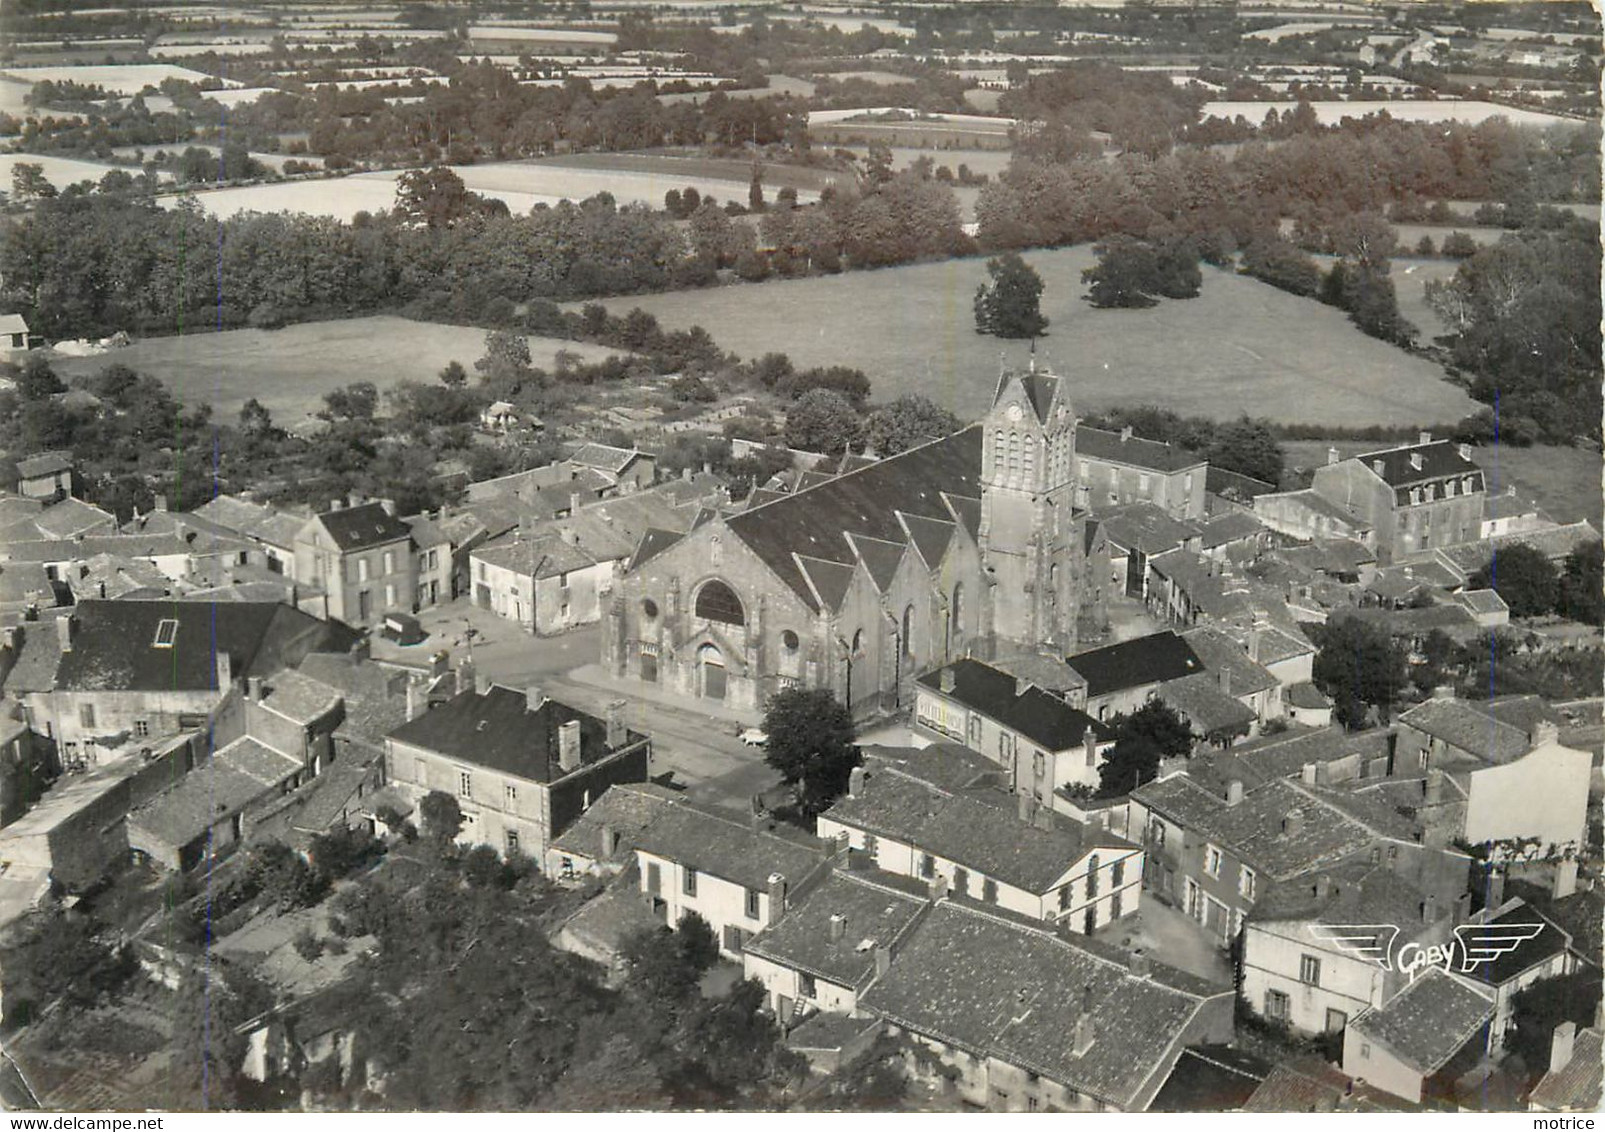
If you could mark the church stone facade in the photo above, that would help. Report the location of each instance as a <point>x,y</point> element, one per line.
<point>965,546</point>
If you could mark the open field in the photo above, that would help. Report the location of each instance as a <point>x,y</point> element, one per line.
<point>1241,346</point>
<point>1563,481</point>
<point>127,78</point>
<point>59,171</point>
<point>1445,110</point>
<point>290,370</point>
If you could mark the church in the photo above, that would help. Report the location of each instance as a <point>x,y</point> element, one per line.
<point>970,545</point>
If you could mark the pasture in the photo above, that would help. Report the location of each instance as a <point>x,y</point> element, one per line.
<point>290,370</point>
<point>1470,111</point>
<point>125,78</point>
<point>1240,347</point>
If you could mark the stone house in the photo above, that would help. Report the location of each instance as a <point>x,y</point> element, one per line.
<point>361,558</point>
<point>1415,497</point>
<point>1116,468</point>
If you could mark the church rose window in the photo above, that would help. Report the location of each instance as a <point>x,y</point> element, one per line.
<point>649,607</point>
<point>789,640</point>
<point>718,602</point>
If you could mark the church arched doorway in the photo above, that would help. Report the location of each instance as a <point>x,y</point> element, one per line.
<point>711,672</point>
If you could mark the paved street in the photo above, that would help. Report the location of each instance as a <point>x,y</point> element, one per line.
<point>696,742</point>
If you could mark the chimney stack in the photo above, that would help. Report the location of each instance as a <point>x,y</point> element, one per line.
<point>1021,684</point>
<point>948,679</point>
<point>1561,1045</point>
<point>335,504</point>
<point>1310,774</point>
<point>464,678</point>
<point>1085,1031</point>
<point>1027,808</point>
<point>855,782</point>
<point>1225,677</point>
<point>1089,743</point>
<point>533,698</point>
<point>388,506</point>
<point>1256,631</point>
<point>685,473</point>
<point>777,896</point>
<point>1332,456</point>
<point>1426,438</point>
<point>617,733</point>
<point>1493,891</point>
<point>1415,461</point>
<point>160,502</point>
<point>1323,887</point>
<point>66,630</point>
<point>225,670</point>
<point>1377,466</point>
<point>1432,787</point>
<point>883,960</point>
<point>1565,881</point>
<point>482,683</point>
<point>838,927</point>
<point>568,746</point>
<point>1429,909</point>
<point>1293,823</point>
<point>1544,732</point>
<point>1139,964</point>
<point>1234,792</point>
<point>937,887</point>
<point>609,842</point>
<point>412,699</point>
<point>253,690</point>
<point>1443,691</point>
<point>1465,453</point>
<point>1125,434</point>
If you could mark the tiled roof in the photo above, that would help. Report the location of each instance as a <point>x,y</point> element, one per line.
<point>1467,558</point>
<point>1230,527</point>
<point>114,646</point>
<point>1449,617</point>
<point>77,550</point>
<point>1331,555</point>
<point>980,830</point>
<point>867,502</point>
<point>299,698</point>
<point>1044,718</point>
<point>1312,1085</point>
<point>1481,601</point>
<point>1220,481</point>
<point>68,517</point>
<point>1220,653</point>
<point>231,779</point>
<point>1317,503</point>
<point>1575,1086</point>
<point>653,543</point>
<point>877,908</point>
<point>426,532</point>
<point>1427,1022</point>
<point>1146,528</point>
<point>1257,829</point>
<point>1469,728</point>
<point>1050,672</point>
<point>496,730</point>
<point>1439,459</point>
<point>1208,709</point>
<point>946,766</point>
<point>605,456</point>
<point>368,524</point>
<point>732,850</point>
<point>995,987</point>
<point>1102,444</point>
<point>541,555</point>
<point>44,464</point>
<point>624,810</point>
<point>375,699</point>
<point>1357,892</point>
<point>1285,755</point>
<point>23,582</point>
<point>1132,664</point>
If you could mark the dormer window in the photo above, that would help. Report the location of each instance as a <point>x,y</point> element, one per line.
<point>166,633</point>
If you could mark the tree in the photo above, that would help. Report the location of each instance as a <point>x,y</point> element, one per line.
<point>56,955</point>
<point>28,183</point>
<point>1248,447</point>
<point>1281,264</point>
<point>1010,306</point>
<point>38,380</point>
<point>442,817</point>
<point>255,420</point>
<point>1544,1005</point>
<point>1523,576</point>
<point>909,420</point>
<point>358,401</point>
<point>1131,273</point>
<point>1358,666</point>
<point>454,376</point>
<point>755,201</point>
<point>506,356</point>
<point>1142,738</point>
<point>1582,584</point>
<point>822,420</point>
<point>810,743</point>
<point>435,198</point>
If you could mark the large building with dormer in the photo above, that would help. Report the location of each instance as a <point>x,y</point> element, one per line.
<point>968,545</point>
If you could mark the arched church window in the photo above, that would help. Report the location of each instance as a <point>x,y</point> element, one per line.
<point>908,630</point>
<point>718,602</point>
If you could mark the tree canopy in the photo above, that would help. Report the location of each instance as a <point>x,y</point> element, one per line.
<point>1360,667</point>
<point>811,743</point>
<point>1523,576</point>
<point>1010,306</point>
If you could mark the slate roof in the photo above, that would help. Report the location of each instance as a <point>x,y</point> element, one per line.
<point>878,908</point>
<point>1050,672</point>
<point>114,644</point>
<point>1467,728</point>
<point>368,524</point>
<point>653,543</point>
<point>1103,444</point>
<point>1306,695</point>
<point>1132,664</point>
<point>1548,943</point>
<point>730,849</point>
<point>624,810</point>
<point>1042,717</point>
<point>1427,1022</point>
<point>1211,1079</point>
<point>1146,528</point>
<point>812,523</point>
<point>1576,1085</point>
<point>1206,708</point>
<point>1255,829</point>
<point>1440,459</point>
<point>996,987</point>
<point>44,464</point>
<point>980,830</point>
<point>1481,601</point>
<point>496,730</point>
<point>1220,481</point>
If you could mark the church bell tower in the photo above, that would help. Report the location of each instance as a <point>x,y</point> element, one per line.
<point>1030,541</point>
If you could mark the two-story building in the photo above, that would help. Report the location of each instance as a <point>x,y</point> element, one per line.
<point>46,476</point>
<point>1041,742</point>
<point>982,844</point>
<point>361,558</point>
<point>523,767</point>
<point>833,940</point>
<point>1117,468</point>
<point>738,877</point>
<point>1014,1017</point>
<point>1416,1044</point>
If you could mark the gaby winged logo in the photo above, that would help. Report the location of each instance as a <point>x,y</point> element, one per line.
<point>1472,945</point>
